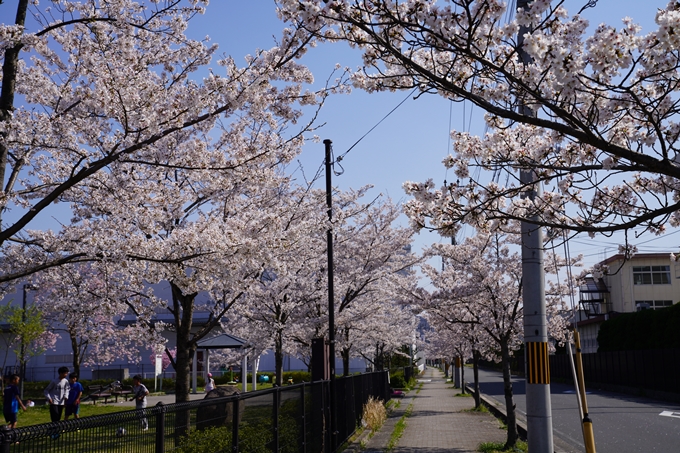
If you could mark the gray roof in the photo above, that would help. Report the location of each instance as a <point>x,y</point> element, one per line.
<point>223,341</point>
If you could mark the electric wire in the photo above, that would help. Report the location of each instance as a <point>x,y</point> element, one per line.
<point>340,157</point>
<point>337,160</point>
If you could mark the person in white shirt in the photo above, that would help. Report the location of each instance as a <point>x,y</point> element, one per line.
<point>140,391</point>
<point>56,394</point>
<point>210,385</point>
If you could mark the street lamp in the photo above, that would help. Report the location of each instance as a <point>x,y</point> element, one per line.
<point>22,358</point>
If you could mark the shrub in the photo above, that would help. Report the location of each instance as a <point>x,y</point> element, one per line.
<point>397,380</point>
<point>374,414</point>
<point>647,329</point>
<point>254,436</point>
<point>209,440</point>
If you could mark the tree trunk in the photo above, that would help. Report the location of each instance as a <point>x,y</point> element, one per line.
<point>462,375</point>
<point>380,363</point>
<point>183,310</point>
<point>278,357</point>
<point>475,372</point>
<point>9,75</point>
<point>183,361</point>
<point>77,359</point>
<point>509,402</point>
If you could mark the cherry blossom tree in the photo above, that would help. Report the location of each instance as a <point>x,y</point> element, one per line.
<point>373,268</point>
<point>169,178</point>
<point>85,302</point>
<point>481,285</point>
<point>276,311</point>
<point>110,89</point>
<point>165,360</point>
<point>373,321</point>
<point>599,131</point>
<point>288,304</point>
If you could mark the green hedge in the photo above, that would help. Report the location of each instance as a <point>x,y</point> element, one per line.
<point>398,381</point>
<point>646,329</point>
<point>297,376</point>
<point>255,435</point>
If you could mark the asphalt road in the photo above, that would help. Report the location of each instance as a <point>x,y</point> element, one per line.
<point>621,423</point>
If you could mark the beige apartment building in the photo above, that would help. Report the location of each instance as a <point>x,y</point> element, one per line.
<point>646,281</point>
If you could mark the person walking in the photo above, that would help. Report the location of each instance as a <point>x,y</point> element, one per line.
<point>57,393</point>
<point>74,395</point>
<point>210,385</point>
<point>140,391</point>
<point>12,401</point>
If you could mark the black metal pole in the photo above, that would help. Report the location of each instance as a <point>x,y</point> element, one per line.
<point>22,359</point>
<point>160,427</point>
<point>331,295</point>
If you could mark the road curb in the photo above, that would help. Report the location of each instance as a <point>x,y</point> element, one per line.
<point>498,410</point>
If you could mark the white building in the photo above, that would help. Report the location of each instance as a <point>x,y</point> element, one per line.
<point>646,281</point>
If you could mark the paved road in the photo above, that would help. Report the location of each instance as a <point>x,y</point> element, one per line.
<point>621,423</point>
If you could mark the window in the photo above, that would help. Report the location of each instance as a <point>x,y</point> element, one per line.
<point>59,358</point>
<point>653,304</point>
<point>652,275</point>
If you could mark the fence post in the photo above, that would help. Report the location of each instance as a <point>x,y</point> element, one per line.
<point>6,435</point>
<point>160,428</point>
<point>275,415</point>
<point>304,417</point>
<point>235,420</point>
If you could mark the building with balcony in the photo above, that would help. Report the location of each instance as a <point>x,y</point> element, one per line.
<point>645,281</point>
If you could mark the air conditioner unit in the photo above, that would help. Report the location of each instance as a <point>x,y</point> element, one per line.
<point>641,306</point>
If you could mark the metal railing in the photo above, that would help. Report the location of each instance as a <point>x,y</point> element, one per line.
<point>287,419</point>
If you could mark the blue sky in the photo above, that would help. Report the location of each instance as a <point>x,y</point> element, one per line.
<point>411,142</point>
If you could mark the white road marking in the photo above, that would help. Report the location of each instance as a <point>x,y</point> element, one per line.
<point>670,414</point>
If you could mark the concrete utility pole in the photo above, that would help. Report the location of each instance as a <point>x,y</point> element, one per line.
<point>539,410</point>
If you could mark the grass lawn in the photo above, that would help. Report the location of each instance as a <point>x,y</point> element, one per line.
<point>40,413</point>
<point>37,415</point>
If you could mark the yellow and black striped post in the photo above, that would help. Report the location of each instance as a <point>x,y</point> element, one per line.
<point>538,370</point>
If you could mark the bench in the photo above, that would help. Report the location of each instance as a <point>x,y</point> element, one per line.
<point>124,391</point>
<point>99,391</point>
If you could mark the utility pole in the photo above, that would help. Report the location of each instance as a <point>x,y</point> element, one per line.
<point>539,410</point>
<point>331,295</point>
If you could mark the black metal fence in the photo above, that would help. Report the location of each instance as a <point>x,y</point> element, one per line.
<point>290,419</point>
<point>652,370</point>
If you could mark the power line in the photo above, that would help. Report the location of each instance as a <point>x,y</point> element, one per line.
<point>339,158</point>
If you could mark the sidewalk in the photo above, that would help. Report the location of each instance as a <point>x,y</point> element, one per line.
<point>152,400</point>
<point>438,421</point>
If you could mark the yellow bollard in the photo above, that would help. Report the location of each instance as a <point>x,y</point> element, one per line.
<point>587,423</point>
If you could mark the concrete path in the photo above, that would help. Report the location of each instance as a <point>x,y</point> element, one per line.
<point>152,400</point>
<point>439,421</point>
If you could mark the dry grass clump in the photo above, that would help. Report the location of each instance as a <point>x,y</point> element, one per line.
<point>375,414</point>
